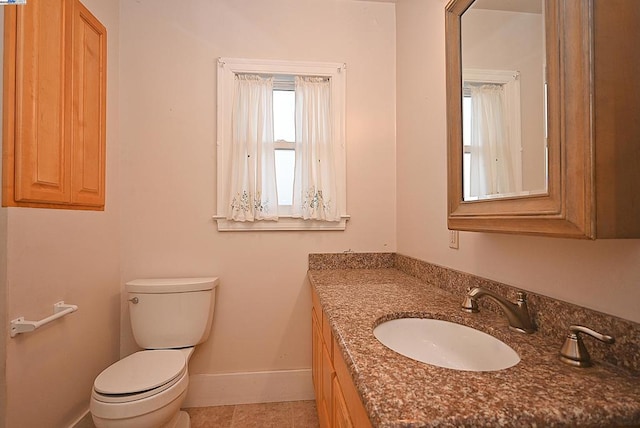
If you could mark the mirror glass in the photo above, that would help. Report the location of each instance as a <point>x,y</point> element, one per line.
<point>503,105</point>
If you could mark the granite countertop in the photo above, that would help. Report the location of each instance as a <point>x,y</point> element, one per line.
<point>400,392</point>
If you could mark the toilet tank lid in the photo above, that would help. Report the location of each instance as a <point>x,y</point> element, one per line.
<point>171,285</point>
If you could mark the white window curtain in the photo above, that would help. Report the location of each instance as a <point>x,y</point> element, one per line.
<point>315,194</point>
<point>253,194</point>
<point>491,164</point>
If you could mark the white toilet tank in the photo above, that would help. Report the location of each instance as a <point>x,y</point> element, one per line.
<point>171,312</point>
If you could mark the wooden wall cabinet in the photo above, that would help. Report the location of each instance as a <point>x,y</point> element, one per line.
<point>337,399</point>
<point>593,106</point>
<point>54,124</point>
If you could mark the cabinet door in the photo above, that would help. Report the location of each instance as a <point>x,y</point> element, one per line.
<point>325,410</point>
<point>88,108</point>
<point>591,108</point>
<point>350,397</point>
<point>341,417</point>
<point>39,36</point>
<point>54,100</point>
<point>316,357</point>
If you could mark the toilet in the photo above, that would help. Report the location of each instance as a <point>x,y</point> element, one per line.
<point>169,317</point>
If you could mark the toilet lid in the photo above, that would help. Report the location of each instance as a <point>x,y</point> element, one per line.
<point>141,371</point>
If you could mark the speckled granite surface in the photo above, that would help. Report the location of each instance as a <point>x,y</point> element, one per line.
<point>400,392</point>
<point>350,260</point>
<point>552,317</point>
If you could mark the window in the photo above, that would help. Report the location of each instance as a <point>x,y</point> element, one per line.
<point>284,135</point>
<point>466,142</point>
<point>492,161</point>
<point>285,142</point>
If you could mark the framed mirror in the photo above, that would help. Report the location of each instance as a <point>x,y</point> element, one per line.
<point>503,99</point>
<point>534,183</point>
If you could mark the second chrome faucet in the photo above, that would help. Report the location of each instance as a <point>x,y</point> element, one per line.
<point>517,313</point>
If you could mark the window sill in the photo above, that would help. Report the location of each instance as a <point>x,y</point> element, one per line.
<point>283,223</point>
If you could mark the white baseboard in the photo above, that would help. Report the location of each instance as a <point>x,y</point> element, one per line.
<point>252,387</point>
<point>83,421</point>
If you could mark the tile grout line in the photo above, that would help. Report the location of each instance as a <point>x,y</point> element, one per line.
<point>292,415</point>
<point>233,416</point>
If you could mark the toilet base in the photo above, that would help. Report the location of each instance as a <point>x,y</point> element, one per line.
<point>184,421</point>
<point>180,420</point>
<point>168,416</point>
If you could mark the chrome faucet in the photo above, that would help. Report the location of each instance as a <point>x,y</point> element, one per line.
<point>517,313</point>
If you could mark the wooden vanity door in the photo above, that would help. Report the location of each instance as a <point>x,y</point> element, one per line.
<point>42,152</point>
<point>54,106</point>
<point>88,109</point>
<point>341,417</point>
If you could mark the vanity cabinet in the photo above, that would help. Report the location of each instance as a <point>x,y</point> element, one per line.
<point>337,399</point>
<point>590,64</point>
<point>54,106</point>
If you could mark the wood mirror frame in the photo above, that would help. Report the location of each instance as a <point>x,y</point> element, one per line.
<point>566,209</point>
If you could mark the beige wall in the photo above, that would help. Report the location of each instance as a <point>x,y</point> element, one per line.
<point>53,255</point>
<point>168,130</point>
<point>602,275</point>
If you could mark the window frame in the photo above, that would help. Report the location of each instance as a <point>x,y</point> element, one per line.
<point>227,69</point>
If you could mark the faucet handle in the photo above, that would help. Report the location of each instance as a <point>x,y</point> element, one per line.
<point>573,351</point>
<point>469,304</point>
<point>575,329</point>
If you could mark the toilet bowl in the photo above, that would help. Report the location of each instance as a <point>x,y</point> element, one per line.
<point>147,388</point>
<point>143,390</point>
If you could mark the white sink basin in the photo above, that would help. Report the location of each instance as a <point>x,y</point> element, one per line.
<point>446,344</point>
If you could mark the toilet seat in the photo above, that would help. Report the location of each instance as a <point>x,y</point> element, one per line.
<point>140,375</point>
<point>140,412</point>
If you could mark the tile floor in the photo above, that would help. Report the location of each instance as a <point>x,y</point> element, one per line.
<point>292,414</point>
